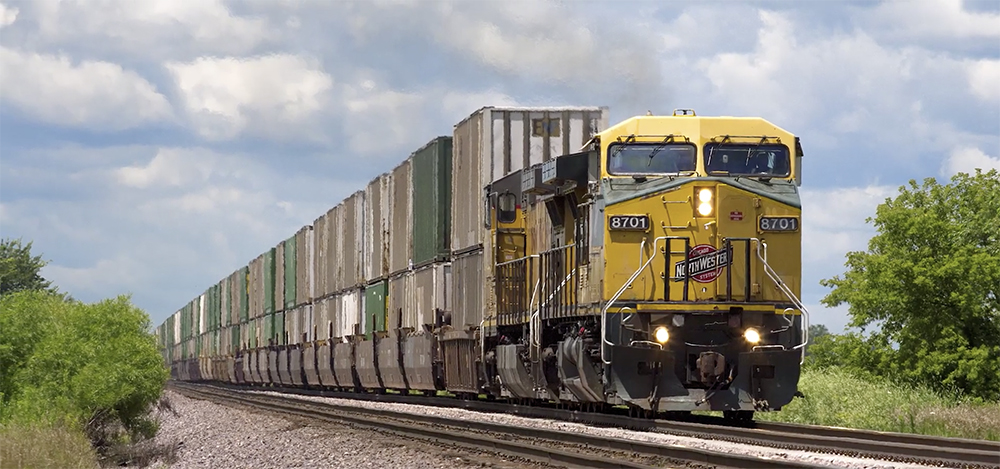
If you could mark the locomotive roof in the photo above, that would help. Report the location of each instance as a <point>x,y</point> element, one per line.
<point>697,128</point>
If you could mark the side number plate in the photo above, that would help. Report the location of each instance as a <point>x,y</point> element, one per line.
<point>767,224</point>
<point>628,222</point>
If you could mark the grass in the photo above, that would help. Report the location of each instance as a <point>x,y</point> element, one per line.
<point>835,397</point>
<point>34,438</point>
<point>44,446</point>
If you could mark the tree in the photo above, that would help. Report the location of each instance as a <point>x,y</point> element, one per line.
<point>816,331</point>
<point>19,270</point>
<point>929,286</point>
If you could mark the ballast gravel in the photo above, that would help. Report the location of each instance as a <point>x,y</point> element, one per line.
<point>815,459</point>
<point>206,434</point>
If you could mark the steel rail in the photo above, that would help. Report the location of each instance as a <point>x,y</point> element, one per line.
<point>887,446</point>
<point>896,447</point>
<point>464,433</point>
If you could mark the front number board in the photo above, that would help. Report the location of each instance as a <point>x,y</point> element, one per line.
<point>778,224</point>
<point>628,222</point>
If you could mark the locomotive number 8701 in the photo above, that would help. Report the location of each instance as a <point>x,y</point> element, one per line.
<point>778,224</point>
<point>629,222</point>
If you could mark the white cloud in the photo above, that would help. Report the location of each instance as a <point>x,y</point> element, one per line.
<point>528,39</point>
<point>123,271</point>
<point>7,15</point>
<point>169,167</point>
<point>458,105</point>
<point>276,95</point>
<point>181,220</point>
<point>984,79</point>
<point>378,120</point>
<point>833,220</point>
<point>842,85</point>
<point>211,199</point>
<point>544,43</point>
<point>967,160</point>
<point>791,80</point>
<point>933,19</point>
<point>833,224</point>
<point>91,94</point>
<point>160,27</point>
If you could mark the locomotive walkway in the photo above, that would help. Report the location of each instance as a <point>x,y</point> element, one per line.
<point>549,446</point>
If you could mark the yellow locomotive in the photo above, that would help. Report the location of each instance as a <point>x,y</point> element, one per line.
<point>659,268</point>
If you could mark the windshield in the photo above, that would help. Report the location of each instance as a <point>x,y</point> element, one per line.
<point>747,160</point>
<point>650,158</point>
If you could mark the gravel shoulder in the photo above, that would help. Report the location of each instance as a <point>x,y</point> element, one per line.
<point>811,458</point>
<point>206,434</point>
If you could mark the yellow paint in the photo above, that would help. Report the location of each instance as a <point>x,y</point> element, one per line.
<point>674,212</point>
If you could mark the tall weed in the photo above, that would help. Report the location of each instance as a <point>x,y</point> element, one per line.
<point>26,445</point>
<point>837,397</point>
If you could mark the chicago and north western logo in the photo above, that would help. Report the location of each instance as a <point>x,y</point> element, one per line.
<point>704,264</point>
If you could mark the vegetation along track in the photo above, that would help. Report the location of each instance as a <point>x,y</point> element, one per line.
<point>545,446</point>
<point>896,447</point>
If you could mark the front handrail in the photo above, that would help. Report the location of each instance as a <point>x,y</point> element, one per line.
<point>762,255</point>
<point>614,298</point>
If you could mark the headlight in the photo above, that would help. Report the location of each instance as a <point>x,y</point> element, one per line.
<point>751,335</point>
<point>662,335</point>
<point>705,195</point>
<point>705,209</point>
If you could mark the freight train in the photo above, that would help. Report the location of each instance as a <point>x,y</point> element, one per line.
<point>536,255</point>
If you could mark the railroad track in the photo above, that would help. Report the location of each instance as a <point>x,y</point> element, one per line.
<point>885,446</point>
<point>559,448</point>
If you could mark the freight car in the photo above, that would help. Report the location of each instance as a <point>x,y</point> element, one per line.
<point>536,255</point>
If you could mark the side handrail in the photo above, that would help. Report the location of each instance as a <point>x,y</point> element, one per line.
<point>535,338</point>
<point>482,338</point>
<point>535,341</point>
<point>762,255</point>
<point>628,283</point>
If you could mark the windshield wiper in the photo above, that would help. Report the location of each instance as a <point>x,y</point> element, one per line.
<point>668,139</point>
<point>622,145</point>
<point>750,151</point>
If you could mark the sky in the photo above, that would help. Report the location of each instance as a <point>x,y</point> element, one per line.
<point>153,147</point>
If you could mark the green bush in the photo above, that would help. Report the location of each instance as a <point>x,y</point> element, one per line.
<point>90,366</point>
